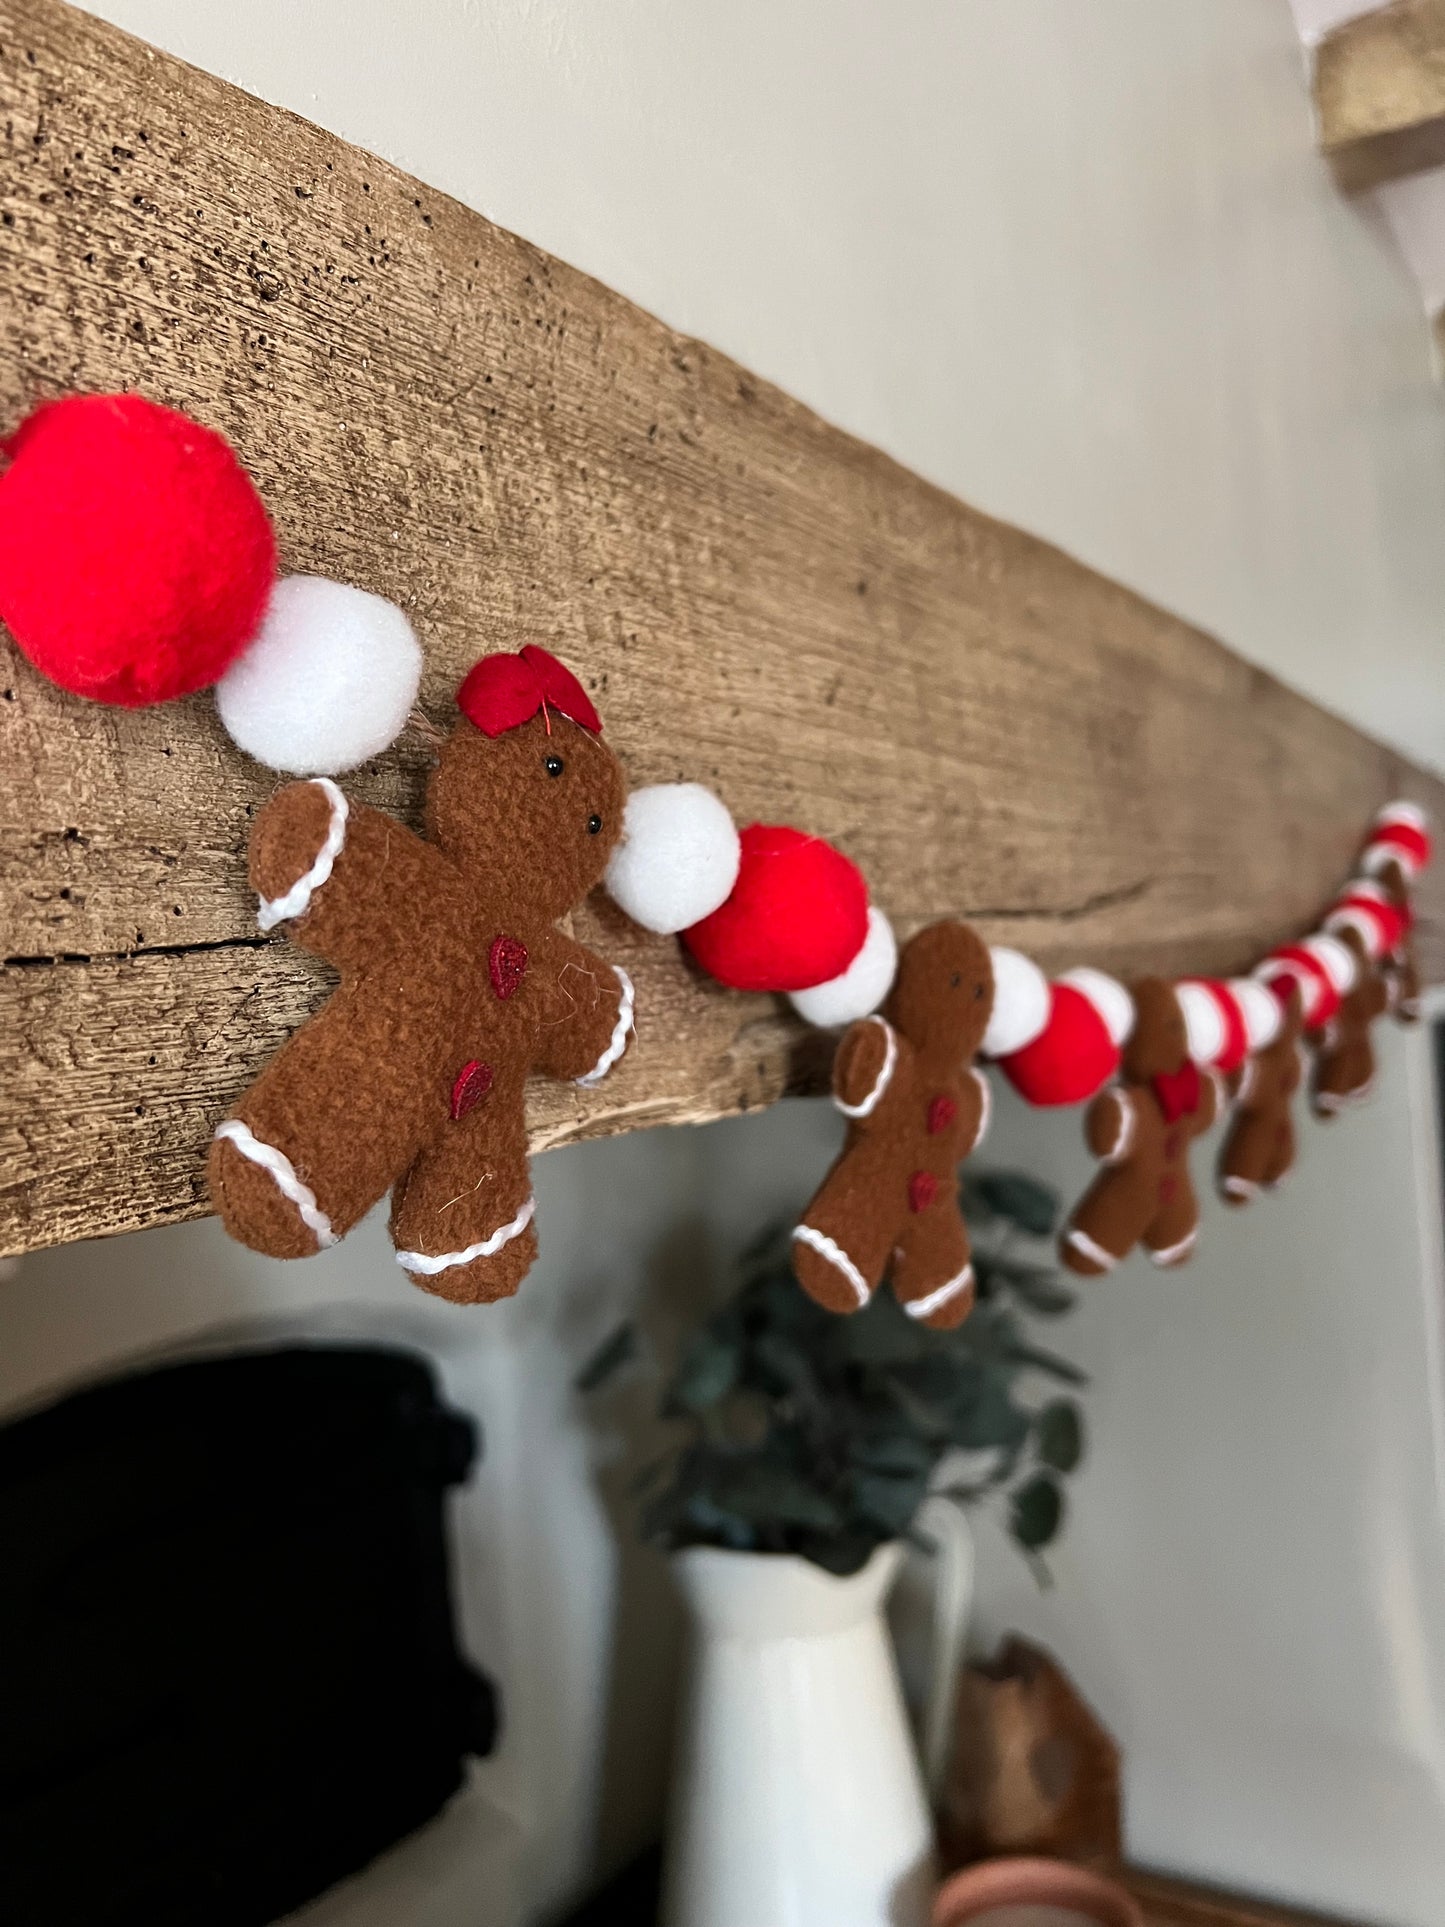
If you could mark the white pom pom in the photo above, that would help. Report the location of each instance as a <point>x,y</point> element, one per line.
<point>328,681</point>
<point>1336,959</point>
<point>1109,998</point>
<point>1203,1021</point>
<point>677,858</point>
<point>1260,1009</point>
<point>863,985</point>
<point>1021,1003</point>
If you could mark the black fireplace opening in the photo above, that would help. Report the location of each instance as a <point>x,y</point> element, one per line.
<point>229,1668</point>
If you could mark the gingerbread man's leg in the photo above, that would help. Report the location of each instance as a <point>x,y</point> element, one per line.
<point>841,1246</point>
<point>320,1136</point>
<point>932,1272</point>
<point>461,1218</point>
<point>1108,1221</point>
<point>1245,1160</point>
<point>1171,1234</point>
<point>1280,1160</point>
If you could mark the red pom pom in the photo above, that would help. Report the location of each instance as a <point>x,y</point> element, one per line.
<point>1072,1057</point>
<point>136,557</point>
<point>503,692</point>
<point>797,915</point>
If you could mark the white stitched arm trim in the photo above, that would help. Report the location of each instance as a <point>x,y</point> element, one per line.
<point>284,1172</point>
<point>1236,1187</point>
<point>820,1242</point>
<point>297,900</point>
<point>1124,1137</point>
<point>867,1105</point>
<point>617,1044</point>
<point>985,1116</point>
<point>1247,1082</point>
<point>925,1307</point>
<point>429,1265</point>
<point>1081,1241</point>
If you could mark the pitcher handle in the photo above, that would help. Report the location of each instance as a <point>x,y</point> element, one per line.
<point>942,1521</point>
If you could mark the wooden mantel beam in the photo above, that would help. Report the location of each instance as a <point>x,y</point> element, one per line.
<point>1379,86</point>
<point>443,414</point>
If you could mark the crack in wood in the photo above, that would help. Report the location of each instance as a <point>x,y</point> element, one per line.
<point>1068,912</point>
<point>144,950</point>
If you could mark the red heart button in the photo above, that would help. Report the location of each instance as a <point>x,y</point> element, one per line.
<point>507,963</point>
<point>941,1113</point>
<point>474,1080</point>
<point>922,1190</point>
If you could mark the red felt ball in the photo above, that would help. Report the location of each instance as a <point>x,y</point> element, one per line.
<point>797,915</point>
<point>1072,1057</point>
<point>136,557</point>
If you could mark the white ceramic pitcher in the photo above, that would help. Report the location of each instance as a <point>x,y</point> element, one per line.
<point>798,1799</point>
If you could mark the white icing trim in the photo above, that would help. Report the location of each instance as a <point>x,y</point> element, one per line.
<point>429,1266</point>
<point>867,1105</point>
<point>1327,1103</point>
<point>620,1030</point>
<point>1249,1077</point>
<point>1124,1142</point>
<point>1234,1187</point>
<point>1081,1241</point>
<point>297,899</point>
<point>1172,1252</point>
<point>233,1131</point>
<point>925,1307</point>
<point>836,1256</point>
<point>985,1116</point>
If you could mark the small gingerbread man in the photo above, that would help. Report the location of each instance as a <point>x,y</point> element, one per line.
<point>1259,1146</point>
<point>455,985</point>
<point>1401,972</point>
<point>1344,1067</point>
<point>916,1107</point>
<point>1141,1130</point>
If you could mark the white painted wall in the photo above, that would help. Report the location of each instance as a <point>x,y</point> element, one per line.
<point>1081,265</point>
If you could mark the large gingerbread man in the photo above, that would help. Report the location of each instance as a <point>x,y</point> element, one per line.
<point>1344,1068</point>
<point>1259,1146</point>
<point>916,1107</point>
<point>1141,1130</point>
<point>455,984</point>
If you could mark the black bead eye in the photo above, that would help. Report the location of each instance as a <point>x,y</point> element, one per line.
<point>594,824</point>
<point>956,979</point>
<point>554,765</point>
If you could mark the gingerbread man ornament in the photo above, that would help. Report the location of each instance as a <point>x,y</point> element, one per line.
<point>455,984</point>
<point>1141,1130</point>
<point>1344,1067</point>
<point>916,1107</point>
<point>1259,1147</point>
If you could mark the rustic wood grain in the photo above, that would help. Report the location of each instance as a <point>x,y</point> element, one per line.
<point>443,414</point>
<point>1379,87</point>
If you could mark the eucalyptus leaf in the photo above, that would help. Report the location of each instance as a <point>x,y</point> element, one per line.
<point>1059,1435</point>
<point>707,1373</point>
<point>1049,1362</point>
<point>1036,1512</point>
<point>1023,1200</point>
<point>619,1348</point>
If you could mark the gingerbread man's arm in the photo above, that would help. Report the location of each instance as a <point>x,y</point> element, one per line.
<point>1207,1109</point>
<point>865,1066</point>
<point>349,880</point>
<point>1109,1125</point>
<point>589,1007</point>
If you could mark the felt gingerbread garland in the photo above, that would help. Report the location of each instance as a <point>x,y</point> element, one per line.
<point>138,564</point>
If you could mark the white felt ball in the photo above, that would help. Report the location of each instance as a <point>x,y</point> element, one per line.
<point>1021,1002</point>
<point>1258,1005</point>
<point>1109,998</point>
<point>862,986</point>
<point>1203,1021</point>
<point>677,858</point>
<point>327,683</point>
<point>1336,959</point>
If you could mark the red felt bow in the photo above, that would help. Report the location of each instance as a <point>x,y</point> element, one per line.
<point>503,692</point>
<point>1178,1091</point>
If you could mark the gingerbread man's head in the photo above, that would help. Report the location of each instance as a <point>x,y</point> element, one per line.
<point>1158,1045</point>
<point>526,796</point>
<point>943,996</point>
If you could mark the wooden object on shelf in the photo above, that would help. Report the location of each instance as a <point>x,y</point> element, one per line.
<point>1379,88</point>
<point>439,412</point>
